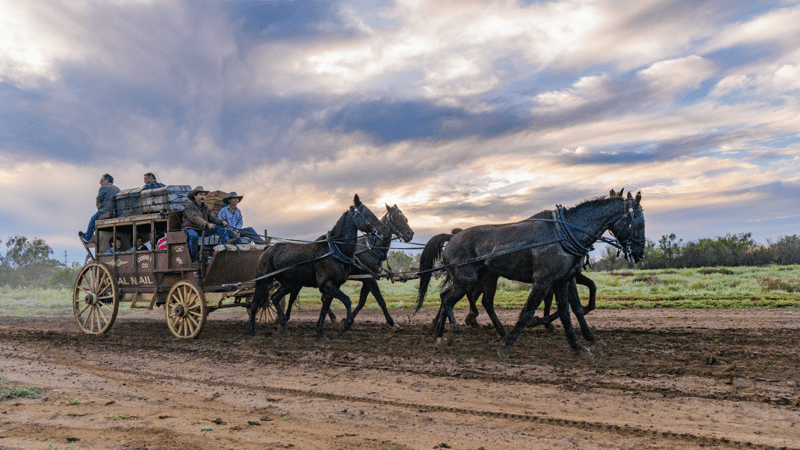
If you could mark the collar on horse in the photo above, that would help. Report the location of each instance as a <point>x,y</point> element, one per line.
<point>571,245</point>
<point>336,252</point>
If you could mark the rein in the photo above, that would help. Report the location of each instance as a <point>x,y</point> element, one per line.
<point>568,241</point>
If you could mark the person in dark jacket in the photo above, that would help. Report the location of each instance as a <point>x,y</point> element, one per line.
<point>105,205</point>
<point>198,217</point>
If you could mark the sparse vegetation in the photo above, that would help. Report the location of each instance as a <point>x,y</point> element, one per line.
<point>8,391</point>
<point>123,417</point>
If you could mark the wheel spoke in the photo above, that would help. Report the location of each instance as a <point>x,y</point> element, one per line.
<point>94,299</point>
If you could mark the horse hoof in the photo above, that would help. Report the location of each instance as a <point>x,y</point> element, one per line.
<point>472,323</point>
<point>549,327</point>
<point>583,352</point>
<point>396,328</point>
<point>599,343</point>
<point>345,325</point>
<point>441,343</point>
<point>503,352</point>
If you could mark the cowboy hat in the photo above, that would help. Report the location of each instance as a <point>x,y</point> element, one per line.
<point>195,191</point>
<point>233,194</point>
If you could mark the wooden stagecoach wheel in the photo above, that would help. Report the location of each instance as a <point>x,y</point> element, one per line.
<point>95,299</point>
<point>185,310</point>
<point>267,314</point>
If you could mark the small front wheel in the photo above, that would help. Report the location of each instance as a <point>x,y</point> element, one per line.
<point>95,299</point>
<point>267,314</point>
<point>185,310</point>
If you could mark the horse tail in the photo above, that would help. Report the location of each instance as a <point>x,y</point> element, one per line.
<point>431,253</point>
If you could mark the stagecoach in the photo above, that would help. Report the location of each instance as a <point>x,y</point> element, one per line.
<point>164,276</point>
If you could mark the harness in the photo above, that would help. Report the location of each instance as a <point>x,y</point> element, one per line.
<point>333,250</point>
<point>568,241</point>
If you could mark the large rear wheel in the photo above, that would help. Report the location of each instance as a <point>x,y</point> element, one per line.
<point>185,310</point>
<point>95,299</point>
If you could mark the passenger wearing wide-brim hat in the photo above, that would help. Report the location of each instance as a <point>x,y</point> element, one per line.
<point>233,215</point>
<point>231,196</point>
<point>199,219</point>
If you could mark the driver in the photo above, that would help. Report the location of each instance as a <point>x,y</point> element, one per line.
<point>198,217</point>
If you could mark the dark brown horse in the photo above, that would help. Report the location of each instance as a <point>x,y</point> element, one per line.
<point>370,253</point>
<point>545,250</point>
<point>321,264</point>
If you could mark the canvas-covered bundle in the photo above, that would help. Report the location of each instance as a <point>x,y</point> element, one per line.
<point>129,202</point>
<point>165,199</point>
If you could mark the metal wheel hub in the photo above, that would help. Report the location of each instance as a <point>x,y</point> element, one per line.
<point>179,312</point>
<point>90,299</point>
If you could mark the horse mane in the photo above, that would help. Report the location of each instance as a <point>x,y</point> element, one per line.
<point>594,200</point>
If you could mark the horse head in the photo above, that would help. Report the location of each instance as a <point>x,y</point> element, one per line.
<point>398,224</point>
<point>629,229</point>
<point>366,221</point>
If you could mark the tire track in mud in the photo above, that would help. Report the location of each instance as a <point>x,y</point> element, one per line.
<point>58,350</point>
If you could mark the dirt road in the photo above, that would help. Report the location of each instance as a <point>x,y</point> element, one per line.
<point>665,379</point>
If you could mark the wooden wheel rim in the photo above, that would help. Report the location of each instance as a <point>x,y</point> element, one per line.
<point>185,310</point>
<point>95,299</point>
<point>267,314</point>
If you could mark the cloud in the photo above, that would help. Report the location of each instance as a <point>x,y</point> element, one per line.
<point>461,112</point>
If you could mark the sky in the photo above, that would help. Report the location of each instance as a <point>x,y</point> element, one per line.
<point>460,112</point>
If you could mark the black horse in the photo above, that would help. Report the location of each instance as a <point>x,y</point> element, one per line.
<point>322,264</point>
<point>370,253</point>
<point>488,287</point>
<point>546,250</point>
<point>471,318</point>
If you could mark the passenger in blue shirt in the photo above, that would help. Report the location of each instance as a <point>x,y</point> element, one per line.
<point>233,215</point>
<point>150,182</point>
<point>116,246</point>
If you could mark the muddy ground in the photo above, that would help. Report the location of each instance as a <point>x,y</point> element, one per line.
<point>665,379</point>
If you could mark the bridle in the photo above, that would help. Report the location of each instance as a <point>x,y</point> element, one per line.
<point>396,232</point>
<point>624,242</point>
<point>357,214</point>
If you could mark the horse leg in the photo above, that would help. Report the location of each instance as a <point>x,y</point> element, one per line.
<point>471,319</point>
<point>326,305</point>
<point>276,302</point>
<point>577,308</point>
<point>586,281</point>
<point>538,292</point>
<point>449,316</point>
<point>548,324</point>
<point>260,297</point>
<point>449,298</point>
<point>372,286</point>
<point>292,298</point>
<point>333,291</point>
<point>489,289</point>
<point>562,301</point>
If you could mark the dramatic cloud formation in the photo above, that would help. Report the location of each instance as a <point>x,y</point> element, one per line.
<point>460,112</point>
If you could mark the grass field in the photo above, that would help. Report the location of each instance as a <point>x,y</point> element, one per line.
<point>716,287</point>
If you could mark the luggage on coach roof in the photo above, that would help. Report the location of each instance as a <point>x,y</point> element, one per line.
<point>129,202</point>
<point>214,200</point>
<point>167,198</point>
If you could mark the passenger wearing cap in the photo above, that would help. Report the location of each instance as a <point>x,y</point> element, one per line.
<point>233,215</point>
<point>198,217</point>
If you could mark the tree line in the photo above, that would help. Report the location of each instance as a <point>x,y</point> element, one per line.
<point>27,263</point>
<point>729,250</point>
